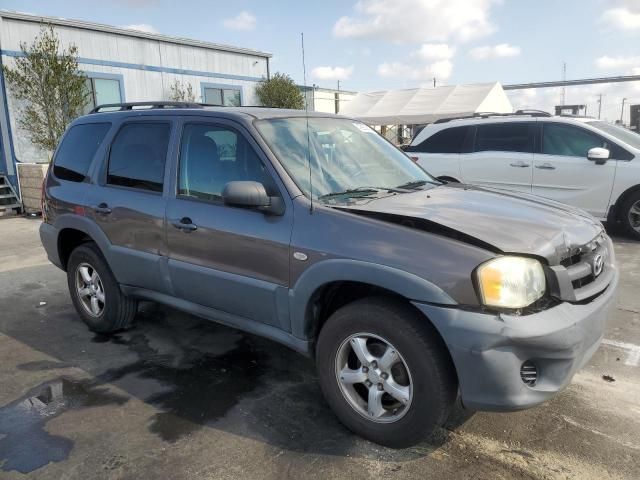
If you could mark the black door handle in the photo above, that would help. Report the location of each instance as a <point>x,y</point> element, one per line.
<point>185,224</point>
<point>103,209</point>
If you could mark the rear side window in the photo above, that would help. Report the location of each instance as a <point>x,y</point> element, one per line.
<point>138,155</point>
<point>450,140</point>
<point>77,150</point>
<point>504,137</point>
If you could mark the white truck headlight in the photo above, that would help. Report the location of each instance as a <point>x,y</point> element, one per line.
<point>511,282</point>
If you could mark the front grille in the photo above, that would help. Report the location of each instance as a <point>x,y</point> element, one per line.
<point>585,271</point>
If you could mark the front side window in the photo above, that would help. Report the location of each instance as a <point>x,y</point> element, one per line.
<point>212,156</point>
<point>138,155</point>
<point>326,156</point>
<point>224,97</point>
<point>77,150</point>
<point>567,140</point>
<point>505,137</point>
<point>449,140</point>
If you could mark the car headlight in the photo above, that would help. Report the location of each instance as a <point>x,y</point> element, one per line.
<point>511,282</point>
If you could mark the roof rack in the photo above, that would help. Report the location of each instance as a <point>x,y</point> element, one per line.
<point>528,113</point>
<point>119,107</point>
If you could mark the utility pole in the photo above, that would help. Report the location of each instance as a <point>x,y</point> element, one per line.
<point>563,95</point>
<point>599,105</point>
<point>622,111</point>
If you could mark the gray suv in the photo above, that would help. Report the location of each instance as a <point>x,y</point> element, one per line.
<point>314,231</point>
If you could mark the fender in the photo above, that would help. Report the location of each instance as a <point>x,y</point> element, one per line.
<point>86,225</point>
<point>403,283</point>
<point>129,266</point>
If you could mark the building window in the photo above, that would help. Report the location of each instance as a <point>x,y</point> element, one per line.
<point>222,96</point>
<point>102,91</point>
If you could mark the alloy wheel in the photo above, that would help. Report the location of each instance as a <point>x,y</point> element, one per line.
<point>90,290</point>
<point>374,378</point>
<point>634,216</point>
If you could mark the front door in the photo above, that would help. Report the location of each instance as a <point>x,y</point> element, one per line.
<point>502,156</point>
<point>562,171</point>
<point>232,259</point>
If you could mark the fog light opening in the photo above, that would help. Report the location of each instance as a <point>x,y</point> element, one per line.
<point>529,373</point>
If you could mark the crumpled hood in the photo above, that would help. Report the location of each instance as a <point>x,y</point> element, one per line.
<point>512,222</point>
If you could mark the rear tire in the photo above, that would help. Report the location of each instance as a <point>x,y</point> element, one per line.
<point>423,370</point>
<point>95,293</point>
<point>630,215</point>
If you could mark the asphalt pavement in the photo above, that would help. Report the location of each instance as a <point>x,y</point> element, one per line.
<point>182,398</point>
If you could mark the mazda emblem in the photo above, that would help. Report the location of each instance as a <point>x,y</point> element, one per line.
<point>598,264</point>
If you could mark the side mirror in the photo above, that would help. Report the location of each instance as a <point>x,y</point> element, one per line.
<point>598,155</point>
<point>251,195</point>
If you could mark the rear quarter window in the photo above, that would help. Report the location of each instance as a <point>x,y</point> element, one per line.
<point>77,150</point>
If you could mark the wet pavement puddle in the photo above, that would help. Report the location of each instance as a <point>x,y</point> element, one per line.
<point>25,445</point>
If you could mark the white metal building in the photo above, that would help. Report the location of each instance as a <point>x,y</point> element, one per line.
<point>126,65</point>
<point>326,100</point>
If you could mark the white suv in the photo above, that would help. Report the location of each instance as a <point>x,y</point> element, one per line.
<point>584,162</point>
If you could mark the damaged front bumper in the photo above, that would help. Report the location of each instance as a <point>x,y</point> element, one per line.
<point>489,350</point>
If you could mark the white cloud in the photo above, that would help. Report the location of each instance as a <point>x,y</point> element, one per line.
<point>501,50</point>
<point>412,21</point>
<point>622,18</point>
<point>332,73</point>
<point>142,27</point>
<point>243,21</point>
<point>434,51</point>
<point>441,70</point>
<point>607,62</point>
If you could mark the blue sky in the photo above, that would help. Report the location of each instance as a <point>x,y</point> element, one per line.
<point>379,44</point>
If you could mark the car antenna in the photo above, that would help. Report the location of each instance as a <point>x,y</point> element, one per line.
<point>306,114</point>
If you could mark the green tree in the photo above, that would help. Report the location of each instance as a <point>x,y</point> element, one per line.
<point>280,91</point>
<point>53,91</point>
<point>179,93</point>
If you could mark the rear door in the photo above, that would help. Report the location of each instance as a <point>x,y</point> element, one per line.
<point>502,156</point>
<point>439,154</point>
<point>232,259</point>
<point>128,203</point>
<point>563,172</point>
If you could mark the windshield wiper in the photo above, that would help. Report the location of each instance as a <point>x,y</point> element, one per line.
<point>415,184</point>
<point>352,192</point>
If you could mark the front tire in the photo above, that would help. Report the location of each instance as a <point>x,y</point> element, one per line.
<point>630,215</point>
<point>385,372</point>
<point>95,293</point>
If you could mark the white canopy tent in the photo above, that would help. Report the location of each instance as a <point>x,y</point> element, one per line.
<point>418,106</point>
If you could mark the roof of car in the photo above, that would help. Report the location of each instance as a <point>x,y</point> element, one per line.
<point>432,128</point>
<point>186,108</point>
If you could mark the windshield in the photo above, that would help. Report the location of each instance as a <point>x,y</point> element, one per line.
<point>627,136</point>
<point>346,157</point>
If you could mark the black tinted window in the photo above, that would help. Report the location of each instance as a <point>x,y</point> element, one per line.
<point>138,154</point>
<point>77,150</point>
<point>559,139</point>
<point>211,156</point>
<point>504,137</point>
<point>450,140</point>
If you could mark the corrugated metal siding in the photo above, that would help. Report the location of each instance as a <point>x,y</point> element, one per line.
<point>143,57</point>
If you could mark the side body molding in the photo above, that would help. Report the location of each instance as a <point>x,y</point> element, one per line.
<point>324,272</point>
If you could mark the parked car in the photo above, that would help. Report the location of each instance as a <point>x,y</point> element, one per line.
<point>316,232</point>
<point>580,161</point>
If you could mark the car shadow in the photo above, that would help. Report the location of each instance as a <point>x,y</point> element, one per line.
<point>198,374</point>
